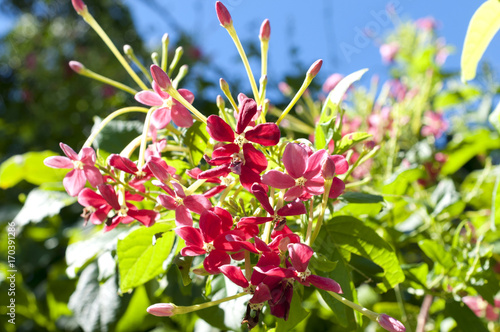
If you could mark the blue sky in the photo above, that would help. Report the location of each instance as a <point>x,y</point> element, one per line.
<point>318,29</point>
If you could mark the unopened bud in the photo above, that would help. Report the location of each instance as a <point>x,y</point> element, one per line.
<point>162,309</point>
<point>224,86</point>
<point>220,102</point>
<point>314,69</point>
<point>160,77</point>
<point>390,324</point>
<point>155,57</point>
<point>79,6</point>
<point>263,80</point>
<point>165,38</point>
<point>265,30</point>
<point>285,88</point>
<point>127,49</point>
<point>223,15</point>
<point>76,66</point>
<point>328,169</point>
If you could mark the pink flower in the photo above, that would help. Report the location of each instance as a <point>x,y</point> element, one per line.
<point>426,23</point>
<point>169,108</point>
<point>389,51</point>
<point>333,165</point>
<point>434,124</point>
<point>303,172</point>
<point>83,165</point>
<point>483,308</point>
<point>331,82</point>
<point>390,324</point>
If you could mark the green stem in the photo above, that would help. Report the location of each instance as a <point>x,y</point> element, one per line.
<point>295,99</point>
<point>131,55</point>
<point>184,310</point>
<point>89,73</point>
<point>145,131</point>
<point>97,28</point>
<point>368,313</point>
<point>310,222</point>
<point>110,117</point>
<point>328,185</point>
<point>241,51</point>
<point>177,96</point>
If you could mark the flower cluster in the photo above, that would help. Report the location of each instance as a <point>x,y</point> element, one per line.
<point>245,153</point>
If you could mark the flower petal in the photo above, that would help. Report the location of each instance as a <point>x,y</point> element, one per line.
<point>324,283</point>
<point>214,260</point>
<point>227,150</point>
<point>167,201</point>
<point>278,180</point>
<point>261,294</point>
<point>93,175</point>
<point>314,163</point>
<point>146,217</point>
<point>294,208</point>
<point>261,196</point>
<point>161,117</point>
<point>58,162</point>
<point>266,134</point>
<point>148,98</point>
<point>69,152</point>
<point>74,182</point>
<point>293,193</point>
<point>222,170</point>
<point>247,111</point>
<point>300,254</point>
<point>248,177</point>
<point>191,235</point>
<point>186,94</point>
<point>197,203</point>
<point>109,194</point>
<point>219,130</point>
<point>88,197</point>
<point>122,163</point>
<point>341,165</point>
<point>181,116</point>
<point>210,226</point>
<point>183,216</point>
<point>234,274</point>
<point>294,159</point>
<point>254,158</point>
<point>338,187</point>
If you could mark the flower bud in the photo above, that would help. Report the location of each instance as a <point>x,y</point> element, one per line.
<point>224,86</point>
<point>220,102</point>
<point>328,169</point>
<point>127,49</point>
<point>390,324</point>
<point>265,30</point>
<point>162,309</point>
<point>76,66</point>
<point>79,6</point>
<point>160,77</point>
<point>165,38</point>
<point>285,88</point>
<point>223,15</point>
<point>314,69</point>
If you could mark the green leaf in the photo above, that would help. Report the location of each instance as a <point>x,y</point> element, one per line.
<point>138,260</point>
<point>466,319</point>
<point>196,140</point>
<point>132,319</point>
<point>357,197</point>
<point>399,181</point>
<point>96,307</point>
<point>332,103</point>
<point>444,196</point>
<point>350,235</point>
<point>79,253</point>
<point>116,134</point>
<point>341,314</point>
<point>29,167</point>
<point>437,253</point>
<point>477,143</point>
<point>40,204</point>
<point>349,140</point>
<point>494,118</point>
<point>483,26</point>
<point>296,315</point>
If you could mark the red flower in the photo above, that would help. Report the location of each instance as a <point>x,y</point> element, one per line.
<point>291,209</point>
<point>183,204</point>
<point>83,165</point>
<point>239,156</point>
<point>99,207</point>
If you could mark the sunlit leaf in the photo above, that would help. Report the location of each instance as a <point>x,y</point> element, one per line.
<point>138,259</point>
<point>483,26</point>
<point>196,139</point>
